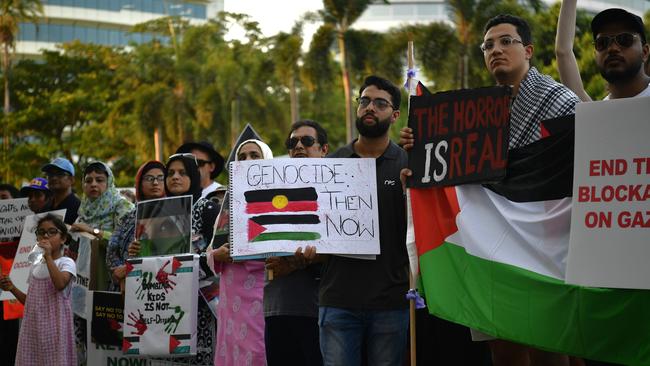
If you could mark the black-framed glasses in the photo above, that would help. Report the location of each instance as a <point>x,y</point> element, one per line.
<point>151,179</point>
<point>185,155</point>
<point>201,162</point>
<point>306,141</point>
<point>41,233</point>
<point>379,103</point>
<point>624,40</point>
<point>504,42</point>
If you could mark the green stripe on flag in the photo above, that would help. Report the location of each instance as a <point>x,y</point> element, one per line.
<point>287,235</point>
<point>512,303</point>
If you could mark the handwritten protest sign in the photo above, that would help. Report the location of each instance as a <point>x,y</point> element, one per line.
<point>20,268</point>
<point>460,136</point>
<point>12,217</point>
<point>282,204</point>
<point>164,226</point>
<point>610,221</point>
<point>161,306</point>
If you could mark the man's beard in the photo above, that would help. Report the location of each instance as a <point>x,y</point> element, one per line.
<point>622,76</point>
<point>379,128</point>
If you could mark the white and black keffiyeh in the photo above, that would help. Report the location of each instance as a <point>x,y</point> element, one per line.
<point>539,98</point>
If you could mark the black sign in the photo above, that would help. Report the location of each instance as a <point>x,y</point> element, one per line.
<point>460,136</point>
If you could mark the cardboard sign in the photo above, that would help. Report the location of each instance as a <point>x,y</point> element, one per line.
<point>460,136</point>
<point>21,266</point>
<point>164,226</point>
<point>161,306</point>
<point>12,217</point>
<point>282,204</point>
<point>610,221</point>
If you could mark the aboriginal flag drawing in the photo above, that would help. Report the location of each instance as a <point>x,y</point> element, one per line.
<point>282,214</point>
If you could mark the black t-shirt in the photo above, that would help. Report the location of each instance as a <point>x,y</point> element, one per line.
<point>379,284</point>
<point>71,204</point>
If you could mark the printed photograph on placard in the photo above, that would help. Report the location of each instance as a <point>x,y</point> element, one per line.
<point>164,226</point>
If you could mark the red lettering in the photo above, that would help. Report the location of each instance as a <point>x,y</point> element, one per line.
<point>489,112</point>
<point>639,165</point>
<point>598,219</point>
<point>470,152</point>
<point>593,168</point>
<point>419,114</point>
<point>583,194</point>
<point>487,153</point>
<point>470,115</point>
<point>481,120</point>
<point>500,162</point>
<point>432,122</point>
<point>454,157</point>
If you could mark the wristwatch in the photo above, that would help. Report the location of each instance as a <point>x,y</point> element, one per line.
<point>96,232</point>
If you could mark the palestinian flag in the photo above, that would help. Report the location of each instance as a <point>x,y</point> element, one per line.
<point>274,212</point>
<point>493,258</point>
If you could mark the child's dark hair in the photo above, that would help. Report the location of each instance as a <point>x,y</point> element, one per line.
<point>96,167</point>
<point>56,220</point>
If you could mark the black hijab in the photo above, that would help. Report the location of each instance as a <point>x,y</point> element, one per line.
<point>193,173</point>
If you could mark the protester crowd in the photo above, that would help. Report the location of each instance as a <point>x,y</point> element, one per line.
<point>319,309</point>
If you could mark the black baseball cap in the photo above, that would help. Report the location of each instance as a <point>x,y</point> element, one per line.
<point>616,15</point>
<point>208,148</point>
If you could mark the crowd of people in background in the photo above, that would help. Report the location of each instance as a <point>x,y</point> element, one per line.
<point>319,309</point>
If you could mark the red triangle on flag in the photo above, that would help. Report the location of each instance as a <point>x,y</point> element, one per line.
<point>175,265</point>
<point>254,229</point>
<point>173,343</point>
<point>126,345</point>
<point>129,267</point>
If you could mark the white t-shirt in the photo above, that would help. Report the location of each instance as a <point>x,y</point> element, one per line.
<point>63,263</point>
<point>644,93</point>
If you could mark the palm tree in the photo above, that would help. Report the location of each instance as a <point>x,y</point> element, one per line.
<point>342,14</point>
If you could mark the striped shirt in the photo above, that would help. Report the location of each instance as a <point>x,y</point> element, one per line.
<point>539,98</point>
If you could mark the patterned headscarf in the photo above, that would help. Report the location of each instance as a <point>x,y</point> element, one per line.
<point>105,211</point>
<point>266,150</point>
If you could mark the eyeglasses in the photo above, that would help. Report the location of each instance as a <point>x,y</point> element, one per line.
<point>201,162</point>
<point>504,42</point>
<point>306,141</point>
<point>185,155</point>
<point>379,103</point>
<point>151,179</point>
<point>41,233</point>
<point>624,40</point>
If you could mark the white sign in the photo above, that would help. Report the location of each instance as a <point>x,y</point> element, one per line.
<point>20,268</point>
<point>12,217</point>
<point>610,221</point>
<point>81,286</point>
<point>282,204</point>
<point>160,312</point>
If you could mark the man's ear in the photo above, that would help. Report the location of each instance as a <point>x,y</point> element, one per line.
<point>395,115</point>
<point>529,51</point>
<point>325,149</point>
<point>646,52</point>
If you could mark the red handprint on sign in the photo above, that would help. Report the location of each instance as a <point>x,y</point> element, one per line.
<point>138,323</point>
<point>163,278</point>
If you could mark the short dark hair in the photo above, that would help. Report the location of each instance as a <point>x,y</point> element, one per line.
<point>56,221</point>
<point>96,167</point>
<point>321,134</point>
<point>15,193</point>
<point>383,84</point>
<point>523,29</point>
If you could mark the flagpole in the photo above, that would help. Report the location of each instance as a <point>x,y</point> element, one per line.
<point>411,65</point>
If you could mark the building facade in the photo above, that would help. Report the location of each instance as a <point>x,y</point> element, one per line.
<point>105,22</point>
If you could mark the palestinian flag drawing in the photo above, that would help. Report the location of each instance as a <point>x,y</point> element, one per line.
<point>492,257</point>
<point>279,214</point>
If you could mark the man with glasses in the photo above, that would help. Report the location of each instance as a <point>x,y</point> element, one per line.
<point>60,178</point>
<point>210,163</point>
<point>363,311</point>
<point>291,299</point>
<point>621,52</point>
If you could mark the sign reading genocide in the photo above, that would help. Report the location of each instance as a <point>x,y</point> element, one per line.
<point>282,204</point>
<point>460,136</point>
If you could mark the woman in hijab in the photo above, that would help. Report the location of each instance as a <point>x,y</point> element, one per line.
<point>149,184</point>
<point>103,206</point>
<point>240,336</point>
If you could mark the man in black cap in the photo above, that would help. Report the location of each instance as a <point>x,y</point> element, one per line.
<point>209,161</point>
<point>621,52</point>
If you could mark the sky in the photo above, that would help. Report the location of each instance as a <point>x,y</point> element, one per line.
<point>276,15</point>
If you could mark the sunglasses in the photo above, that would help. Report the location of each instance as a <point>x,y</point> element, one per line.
<point>306,141</point>
<point>624,40</point>
<point>41,233</point>
<point>379,103</point>
<point>185,155</point>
